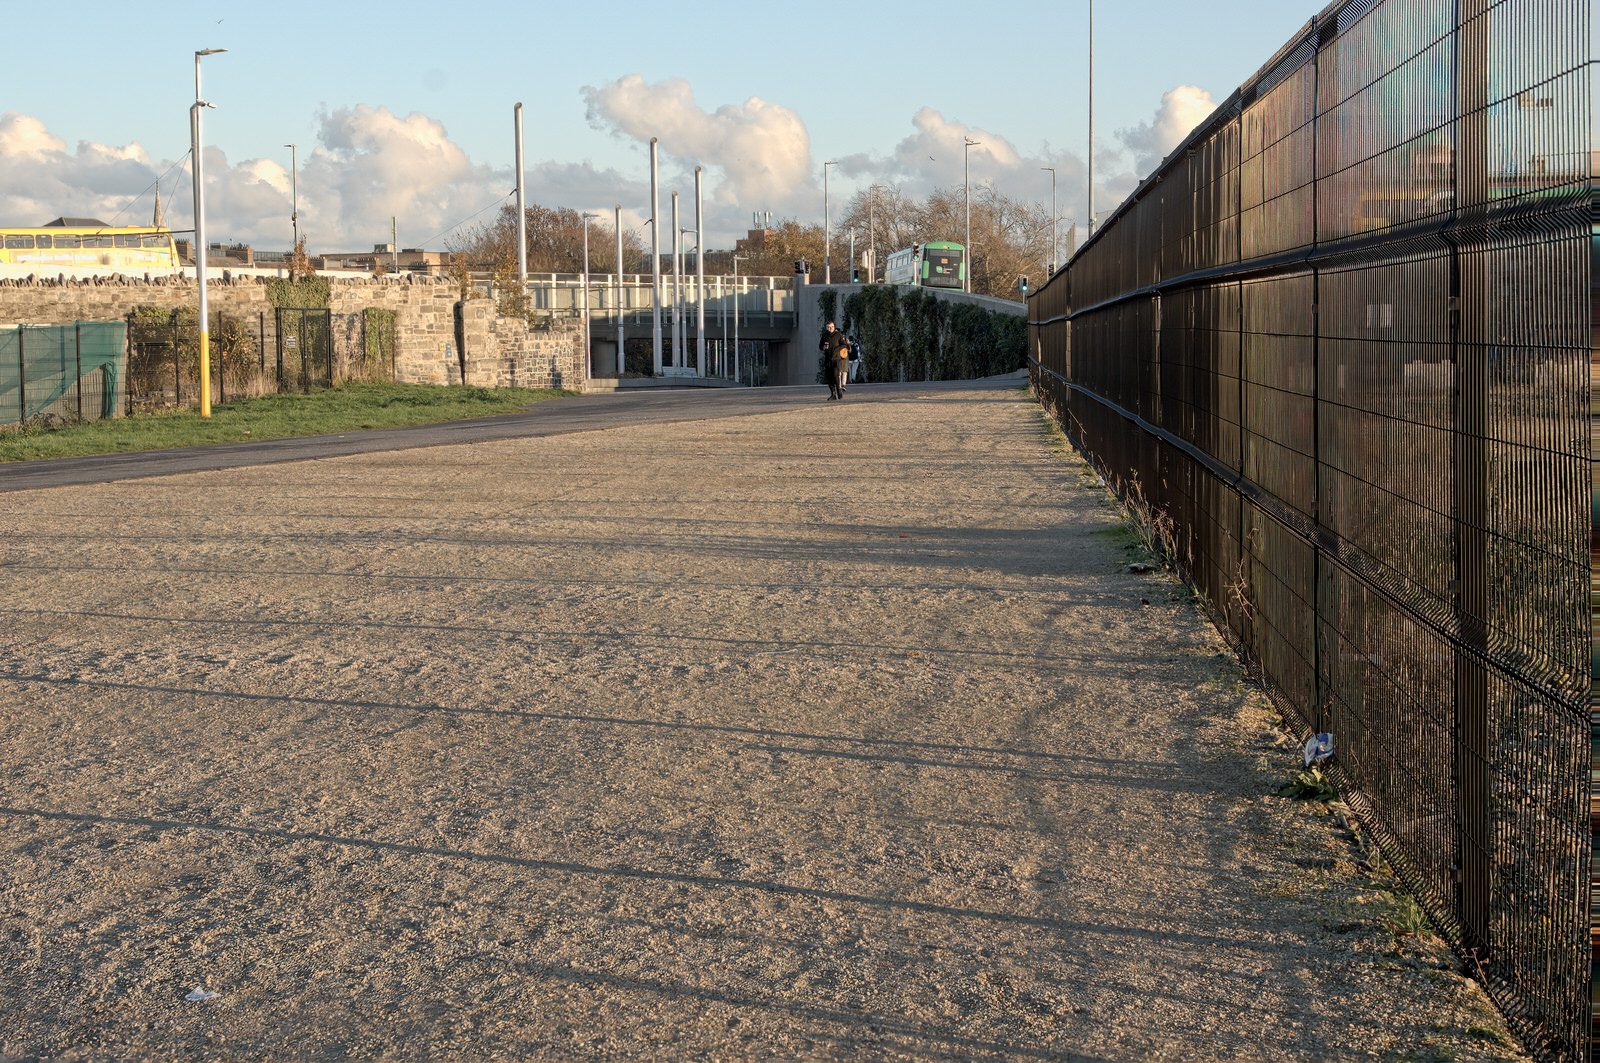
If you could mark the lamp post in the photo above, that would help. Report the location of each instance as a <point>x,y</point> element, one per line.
<point>677,288</point>
<point>616,298</point>
<point>655,258</point>
<point>294,195</point>
<point>1055,240</point>
<point>588,351</point>
<point>966,196</point>
<point>827,228</point>
<point>736,260</point>
<point>683,254</point>
<point>522,209</point>
<point>699,276</point>
<point>1090,231</point>
<point>200,230</point>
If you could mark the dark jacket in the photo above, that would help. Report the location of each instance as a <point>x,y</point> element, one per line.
<point>833,344</point>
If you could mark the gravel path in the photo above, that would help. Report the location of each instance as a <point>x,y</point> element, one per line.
<point>837,732</point>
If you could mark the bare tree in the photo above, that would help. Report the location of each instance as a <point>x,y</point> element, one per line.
<point>555,242</point>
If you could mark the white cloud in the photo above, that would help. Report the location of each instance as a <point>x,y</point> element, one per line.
<point>367,165</point>
<point>761,150</point>
<point>1182,108</point>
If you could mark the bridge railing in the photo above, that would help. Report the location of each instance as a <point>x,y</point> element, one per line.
<point>1340,339</point>
<point>562,294</point>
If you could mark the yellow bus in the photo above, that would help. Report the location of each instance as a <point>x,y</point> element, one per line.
<point>87,242</point>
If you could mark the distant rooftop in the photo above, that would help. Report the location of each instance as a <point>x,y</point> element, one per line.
<point>75,223</point>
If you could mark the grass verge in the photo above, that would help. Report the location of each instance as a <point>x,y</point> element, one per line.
<point>349,408</point>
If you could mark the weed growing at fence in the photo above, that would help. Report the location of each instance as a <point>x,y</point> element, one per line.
<point>352,407</point>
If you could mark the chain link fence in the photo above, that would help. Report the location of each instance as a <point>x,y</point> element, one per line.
<point>1340,340</point>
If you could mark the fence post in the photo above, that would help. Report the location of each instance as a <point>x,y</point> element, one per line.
<point>22,378</point>
<point>277,342</point>
<point>77,361</point>
<point>177,367</point>
<point>221,360</point>
<point>1473,771</point>
<point>127,365</point>
<point>261,341</point>
<point>305,365</point>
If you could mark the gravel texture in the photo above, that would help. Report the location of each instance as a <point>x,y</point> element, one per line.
<point>838,732</point>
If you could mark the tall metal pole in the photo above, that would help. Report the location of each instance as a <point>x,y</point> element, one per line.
<point>699,275</point>
<point>394,243</point>
<point>1090,231</point>
<point>294,194</point>
<point>966,196</point>
<point>616,296</point>
<point>197,149</point>
<point>522,210</point>
<point>736,259</point>
<point>827,229</point>
<point>872,240</point>
<point>588,347</point>
<point>655,258</point>
<point>1055,238</point>
<point>677,287</point>
<point>851,271</point>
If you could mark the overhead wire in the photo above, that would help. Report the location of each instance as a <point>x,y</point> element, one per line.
<point>153,184</point>
<point>468,218</point>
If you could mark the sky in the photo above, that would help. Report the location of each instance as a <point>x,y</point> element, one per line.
<point>404,109</point>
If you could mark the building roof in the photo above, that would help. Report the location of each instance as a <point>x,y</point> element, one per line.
<point>75,223</point>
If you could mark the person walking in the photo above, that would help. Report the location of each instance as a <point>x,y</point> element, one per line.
<point>836,359</point>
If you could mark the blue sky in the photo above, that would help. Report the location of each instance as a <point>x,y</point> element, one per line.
<point>405,107</point>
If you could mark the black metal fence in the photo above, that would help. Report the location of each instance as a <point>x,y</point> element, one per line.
<point>285,349</point>
<point>1341,339</point>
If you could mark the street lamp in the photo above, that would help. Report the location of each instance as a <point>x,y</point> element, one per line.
<point>1055,239</point>
<point>522,205</point>
<point>1090,231</point>
<point>587,350</point>
<point>200,230</point>
<point>655,257</point>
<point>294,196</point>
<point>827,228</point>
<point>966,195</point>
<point>616,298</point>
<point>736,260</point>
<point>677,289</point>
<point>699,275</point>
<point>700,335</point>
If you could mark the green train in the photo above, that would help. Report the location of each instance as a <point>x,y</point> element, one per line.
<point>935,264</point>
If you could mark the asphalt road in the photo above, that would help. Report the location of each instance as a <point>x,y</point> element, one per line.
<point>583,413</point>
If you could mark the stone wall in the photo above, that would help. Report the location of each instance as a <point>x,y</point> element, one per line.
<point>500,352</point>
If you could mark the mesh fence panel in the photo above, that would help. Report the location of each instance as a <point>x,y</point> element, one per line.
<point>64,372</point>
<point>1341,340</point>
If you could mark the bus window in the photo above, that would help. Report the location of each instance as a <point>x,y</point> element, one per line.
<point>43,241</point>
<point>154,240</point>
<point>124,240</point>
<point>14,240</point>
<point>97,241</point>
<point>69,241</point>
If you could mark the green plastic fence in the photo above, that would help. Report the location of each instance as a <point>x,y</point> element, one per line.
<point>69,370</point>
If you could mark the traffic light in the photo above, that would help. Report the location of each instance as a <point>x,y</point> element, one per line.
<point>1022,285</point>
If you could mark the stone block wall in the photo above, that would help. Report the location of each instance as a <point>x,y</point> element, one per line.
<point>500,352</point>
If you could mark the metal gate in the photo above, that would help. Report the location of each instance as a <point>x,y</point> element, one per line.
<point>305,347</point>
<point>163,361</point>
